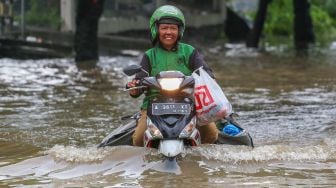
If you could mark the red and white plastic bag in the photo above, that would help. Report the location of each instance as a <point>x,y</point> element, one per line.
<point>210,101</point>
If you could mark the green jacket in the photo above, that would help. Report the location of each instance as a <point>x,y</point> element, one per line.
<point>183,58</point>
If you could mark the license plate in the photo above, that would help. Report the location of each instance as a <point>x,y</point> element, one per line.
<point>170,108</point>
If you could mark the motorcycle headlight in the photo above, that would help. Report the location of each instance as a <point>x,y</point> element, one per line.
<point>186,132</point>
<point>155,132</point>
<point>170,84</point>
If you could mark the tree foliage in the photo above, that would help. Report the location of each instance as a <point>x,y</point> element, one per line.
<point>324,25</point>
<point>280,18</point>
<point>42,13</point>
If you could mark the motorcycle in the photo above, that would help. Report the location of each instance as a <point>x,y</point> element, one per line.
<point>171,117</point>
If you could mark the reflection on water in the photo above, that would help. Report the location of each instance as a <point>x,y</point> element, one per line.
<point>52,116</point>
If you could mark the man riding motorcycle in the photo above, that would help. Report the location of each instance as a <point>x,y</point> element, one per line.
<point>167,25</point>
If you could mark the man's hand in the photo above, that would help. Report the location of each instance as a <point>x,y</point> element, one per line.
<point>132,84</point>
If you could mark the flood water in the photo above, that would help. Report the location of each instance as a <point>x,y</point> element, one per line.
<point>52,116</point>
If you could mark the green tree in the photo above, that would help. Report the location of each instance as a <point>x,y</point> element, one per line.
<point>41,13</point>
<point>280,19</point>
<point>280,16</point>
<point>324,24</point>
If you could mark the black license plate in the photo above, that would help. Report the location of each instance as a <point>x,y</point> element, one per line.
<point>170,108</point>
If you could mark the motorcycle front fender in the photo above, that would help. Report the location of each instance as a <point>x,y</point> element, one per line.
<point>171,148</point>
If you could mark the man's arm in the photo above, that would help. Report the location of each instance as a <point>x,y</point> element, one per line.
<point>144,63</point>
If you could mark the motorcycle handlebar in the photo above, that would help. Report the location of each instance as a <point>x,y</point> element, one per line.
<point>133,88</point>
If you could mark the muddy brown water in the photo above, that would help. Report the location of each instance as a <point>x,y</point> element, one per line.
<point>52,116</point>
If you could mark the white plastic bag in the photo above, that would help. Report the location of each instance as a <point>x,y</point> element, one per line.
<point>210,101</point>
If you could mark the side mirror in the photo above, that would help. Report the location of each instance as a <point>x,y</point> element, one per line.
<point>132,69</point>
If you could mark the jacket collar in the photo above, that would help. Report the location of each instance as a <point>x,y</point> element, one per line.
<point>174,49</point>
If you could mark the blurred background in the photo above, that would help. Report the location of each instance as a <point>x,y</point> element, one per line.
<point>61,27</point>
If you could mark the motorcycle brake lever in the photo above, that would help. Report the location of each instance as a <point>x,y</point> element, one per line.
<point>133,88</point>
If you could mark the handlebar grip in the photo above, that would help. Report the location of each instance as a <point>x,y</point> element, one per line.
<point>132,88</point>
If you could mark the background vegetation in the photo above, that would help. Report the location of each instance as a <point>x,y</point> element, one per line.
<point>280,19</point>
<point>43,13</point>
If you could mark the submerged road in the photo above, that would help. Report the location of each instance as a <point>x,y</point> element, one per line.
<point>52,116</point>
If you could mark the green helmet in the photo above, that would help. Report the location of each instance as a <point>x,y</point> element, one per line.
<point>166,14</point>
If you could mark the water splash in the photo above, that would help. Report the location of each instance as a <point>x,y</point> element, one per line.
<point>85,155</point>
<point>261,154</point>
<point>68,162</point>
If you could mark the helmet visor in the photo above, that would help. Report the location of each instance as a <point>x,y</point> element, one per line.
<point>169,21</point>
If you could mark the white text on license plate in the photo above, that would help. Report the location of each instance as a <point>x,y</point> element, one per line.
<point>170,108</point>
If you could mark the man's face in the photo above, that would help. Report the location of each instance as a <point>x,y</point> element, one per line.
<point>168,34</point>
